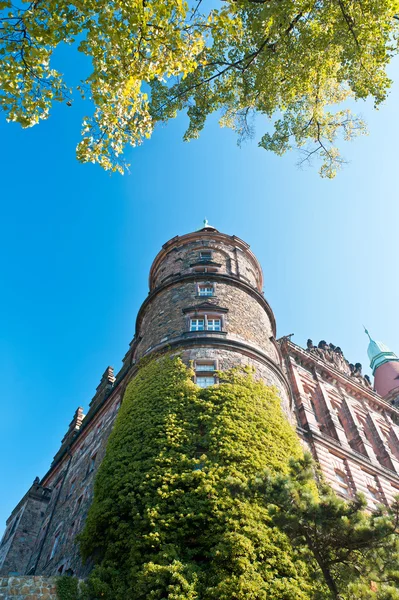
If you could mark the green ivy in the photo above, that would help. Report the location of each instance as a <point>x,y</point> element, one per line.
<point>169,520</point>
<point>67,588</point>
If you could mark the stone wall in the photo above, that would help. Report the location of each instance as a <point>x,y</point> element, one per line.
<point>27,588</point>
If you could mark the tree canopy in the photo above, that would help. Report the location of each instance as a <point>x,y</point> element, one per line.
<point>297,63</point>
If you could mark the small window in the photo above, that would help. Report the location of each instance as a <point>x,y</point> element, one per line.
<point>197,324</point>
<point>342,482</point>
<point>375,496</point>
<point>205,290</point>
<point>72,487</point>
<point>92,464</point>
<point>206,255</point>
<point>205,366</point>
<point>60,569</point>
<point>204,382</point>
<point>78,503</point>
<point>99,427</point>
<point>72,528</point>
<point>55,544</point>
<point>214,325</point>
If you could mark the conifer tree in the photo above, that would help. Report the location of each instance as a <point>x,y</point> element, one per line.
<point>357,551</point>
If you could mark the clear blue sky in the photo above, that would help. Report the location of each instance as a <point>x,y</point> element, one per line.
<point>77,245</point>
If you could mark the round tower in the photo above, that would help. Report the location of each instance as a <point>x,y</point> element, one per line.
<point>385,366</point>
<point>206,301</point>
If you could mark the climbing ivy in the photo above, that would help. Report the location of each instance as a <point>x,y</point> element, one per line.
<point>169,519</point>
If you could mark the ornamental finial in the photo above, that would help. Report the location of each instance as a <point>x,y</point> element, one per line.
<point>365,330</point>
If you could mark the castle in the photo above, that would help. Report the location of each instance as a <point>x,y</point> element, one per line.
<point>206,302</point>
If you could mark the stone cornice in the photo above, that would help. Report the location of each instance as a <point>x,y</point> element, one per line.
<point>217,277</point>
<point>372,398</point>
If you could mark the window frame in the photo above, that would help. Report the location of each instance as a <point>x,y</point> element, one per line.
<point>207,378</point>
<point>201,363</point>
<point>206,317</point>
<point>342,482</point>
<point>205,286</point>
<point>208,256</point>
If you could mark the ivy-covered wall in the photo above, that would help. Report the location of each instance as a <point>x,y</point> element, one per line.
<point>167,521</point>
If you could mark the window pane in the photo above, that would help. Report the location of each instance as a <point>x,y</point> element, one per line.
<point>197,324</point>
<point>204,382</point>
<point>206,255</point>
<point>214,325</point>
<point>340,477</point>
<point>205,366</point>
<point>205,290</point>
<point>374,494</point>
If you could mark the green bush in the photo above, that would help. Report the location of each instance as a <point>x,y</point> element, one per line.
<point>67,588</point>
<point>169,519</point>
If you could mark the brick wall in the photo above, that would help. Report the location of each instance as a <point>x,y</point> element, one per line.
<point>351,431</point>
<point>27,588</point>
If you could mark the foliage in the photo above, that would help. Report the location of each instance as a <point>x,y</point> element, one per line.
<point>298,62</point>
<point>67,588</point>
<point>357,552</point>
<point>168,518</point>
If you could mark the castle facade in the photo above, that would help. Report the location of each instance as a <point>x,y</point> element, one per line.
<point>206,303</point>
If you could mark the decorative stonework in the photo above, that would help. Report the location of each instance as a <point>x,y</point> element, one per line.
<point>334,355</point>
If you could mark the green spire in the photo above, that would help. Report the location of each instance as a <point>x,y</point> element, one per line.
<point>379,353</point>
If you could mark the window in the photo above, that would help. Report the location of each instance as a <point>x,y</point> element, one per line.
<point>92,464</point>
<point>206,323</point>
<point>72,487</point>
<point>214,325</point>
<point>197,324</point>
<point>206,255</point>
<point>204,382</point>
<point>373,493</point>
<point>342,482</point>
<point>205,366</point>
<point>205,290</point>
<point>55,544</point>
<point>78,503</point>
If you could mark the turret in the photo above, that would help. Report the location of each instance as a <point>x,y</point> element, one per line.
<point>385,366</point>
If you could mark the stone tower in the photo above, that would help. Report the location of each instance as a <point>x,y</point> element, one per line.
<point>206,302</point>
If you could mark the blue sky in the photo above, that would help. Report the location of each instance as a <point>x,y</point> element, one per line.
<point>77,245</point>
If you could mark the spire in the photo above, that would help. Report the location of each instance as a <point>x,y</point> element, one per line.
<point>379,353</point>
